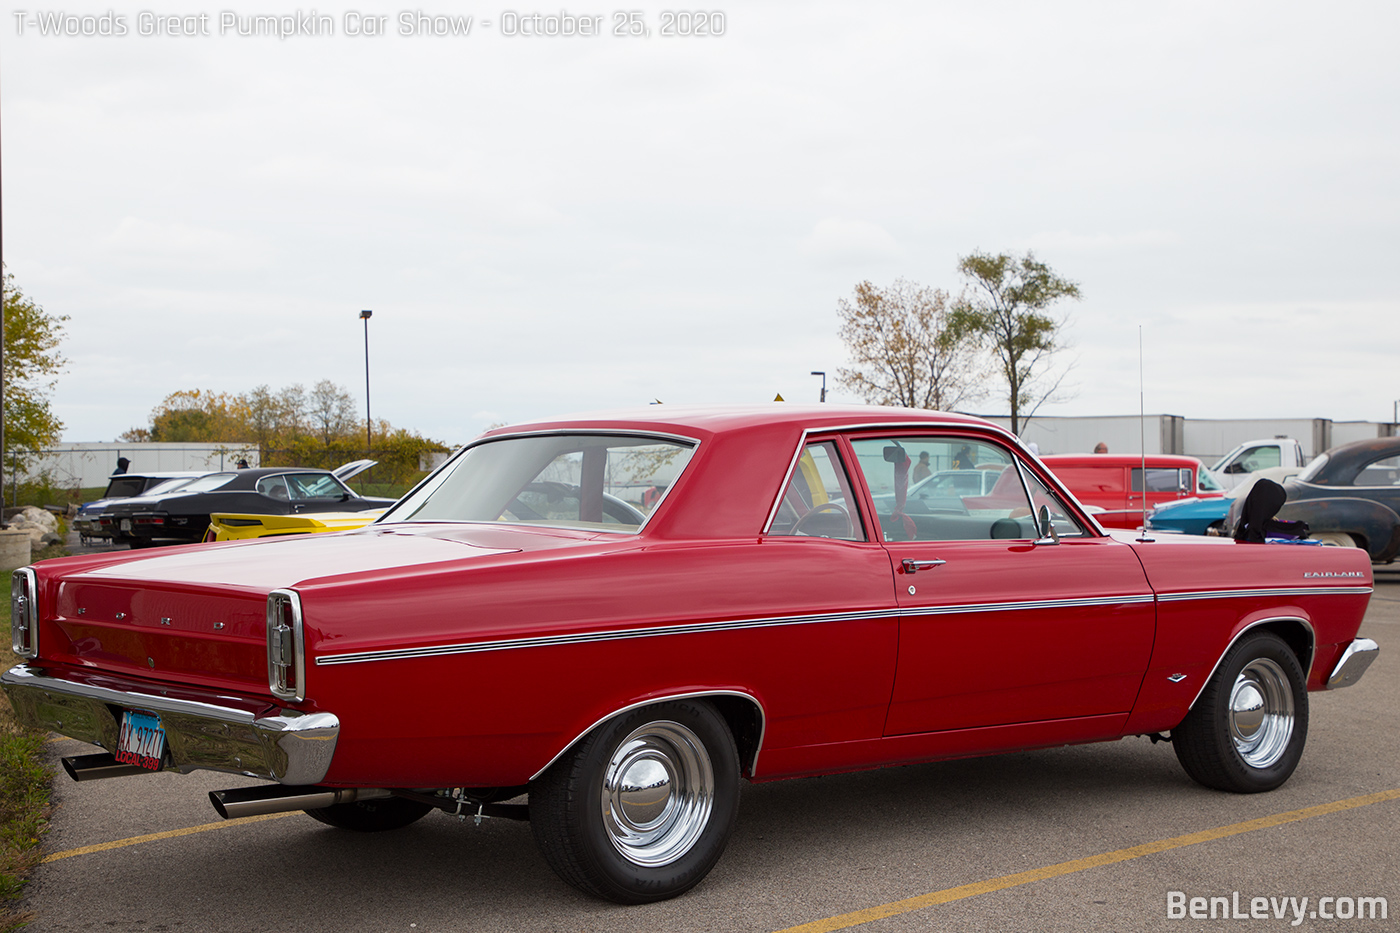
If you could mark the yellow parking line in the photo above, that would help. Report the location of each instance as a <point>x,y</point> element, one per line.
<point>948,895</point>
<point>168,834</point>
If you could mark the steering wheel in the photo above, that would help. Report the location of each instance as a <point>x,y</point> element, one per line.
<point>824,507</point>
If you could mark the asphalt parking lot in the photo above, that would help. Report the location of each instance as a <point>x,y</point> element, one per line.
<point>1066,839</point>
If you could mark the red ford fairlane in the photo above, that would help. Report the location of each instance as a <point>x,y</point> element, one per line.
<point>624,615</point>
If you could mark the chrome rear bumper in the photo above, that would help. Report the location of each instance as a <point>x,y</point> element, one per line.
<point>290,747</point>
<point>1353,663</point>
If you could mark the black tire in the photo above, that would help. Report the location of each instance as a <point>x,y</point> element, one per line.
<point>600,822</point>
<point>1248,727</point>
<point>372,816</point>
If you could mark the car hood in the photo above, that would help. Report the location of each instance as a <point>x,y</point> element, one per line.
<point>275,563</point>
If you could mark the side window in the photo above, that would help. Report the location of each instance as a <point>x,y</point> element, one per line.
<point>314,486</point>
<point>1261,458</point>
<point>932,489</point>
<point>1066,526</point>
<point>818,500</point>
<point>1384,472</point>
<point>274,487</point>
<point>1163,479</point>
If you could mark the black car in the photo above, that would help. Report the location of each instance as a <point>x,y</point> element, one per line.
<point>123,486</point>
<point>1349,496</point>
<point>183,515</point>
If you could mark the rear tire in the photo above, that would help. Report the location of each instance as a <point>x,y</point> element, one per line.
<point>371,816</point>
<point>1248,727</point>
<point>641,808</point>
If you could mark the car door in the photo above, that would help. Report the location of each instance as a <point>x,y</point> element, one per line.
<point>997,624</point>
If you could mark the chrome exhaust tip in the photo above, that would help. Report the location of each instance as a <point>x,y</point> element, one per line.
<point>280,798</point>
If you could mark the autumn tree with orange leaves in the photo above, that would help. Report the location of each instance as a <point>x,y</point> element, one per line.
<point>904,351</point>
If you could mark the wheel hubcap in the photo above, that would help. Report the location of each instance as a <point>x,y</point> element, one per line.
<point>658,791</point>
<point>1261,713</point>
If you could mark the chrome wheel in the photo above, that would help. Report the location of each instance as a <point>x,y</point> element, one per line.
<point>1261,713</point>
<point>639,810</point>
<point>1247,729</point>
<point>658,791</point>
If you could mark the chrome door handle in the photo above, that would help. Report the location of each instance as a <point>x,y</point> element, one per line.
<point>914,566</point>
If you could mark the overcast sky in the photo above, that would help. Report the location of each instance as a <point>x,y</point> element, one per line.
<point>548,224</point>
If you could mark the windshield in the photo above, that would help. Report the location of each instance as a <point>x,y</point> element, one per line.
<point>606,482</point>
<point>1205,482</point>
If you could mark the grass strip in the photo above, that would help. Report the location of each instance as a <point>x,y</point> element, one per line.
<point>24,810</point>
<point>25,778</point>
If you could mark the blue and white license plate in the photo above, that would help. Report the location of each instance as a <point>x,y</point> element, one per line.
<point>141,741</point>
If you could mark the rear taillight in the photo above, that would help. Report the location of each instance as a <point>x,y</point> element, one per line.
<point>24,613</point>
<point>150,519</point>
<point>286,651</point>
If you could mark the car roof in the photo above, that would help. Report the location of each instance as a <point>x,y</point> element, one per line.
<point>1120,460</point>
<point>700,422</point>
<point>1345,461</point>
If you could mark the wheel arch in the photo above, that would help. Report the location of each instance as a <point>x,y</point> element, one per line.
<point>741,711</point>
<point>1295,631</point>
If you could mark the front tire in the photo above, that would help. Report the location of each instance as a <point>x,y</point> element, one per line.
<point>1248,727</point>
<point>641,808</point>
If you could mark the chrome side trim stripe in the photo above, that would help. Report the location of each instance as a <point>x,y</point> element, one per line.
<point>685,628</point>
<point>693,628</point>
<point>733,625</point>
<point>1278,591</point>
<point>1032,604</point>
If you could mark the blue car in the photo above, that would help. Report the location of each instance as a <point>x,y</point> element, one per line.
<point>1189,516</point>
<point>1207,516</point>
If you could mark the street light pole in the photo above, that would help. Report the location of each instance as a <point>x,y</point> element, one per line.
<point>822,373</point>
<point>369,446</point>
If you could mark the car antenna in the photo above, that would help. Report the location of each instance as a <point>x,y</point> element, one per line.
<point>1142,442</point>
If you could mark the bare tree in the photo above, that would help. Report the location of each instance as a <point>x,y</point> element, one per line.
<point>331,409</point>
<point>262,415</point>
<point>1008,310</point>
<point>903,351</point>
<point>291,410</point>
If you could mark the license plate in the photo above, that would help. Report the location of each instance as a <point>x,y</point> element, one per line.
<point>141,741</point>
<point>126,524</point>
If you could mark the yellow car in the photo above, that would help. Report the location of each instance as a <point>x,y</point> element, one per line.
<point>238,526</point>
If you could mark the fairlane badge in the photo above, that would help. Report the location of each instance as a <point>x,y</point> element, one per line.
<point>1332,573</point>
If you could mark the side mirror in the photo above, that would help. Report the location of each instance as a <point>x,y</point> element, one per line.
<point>895,454</point>
<point>1045,527</point>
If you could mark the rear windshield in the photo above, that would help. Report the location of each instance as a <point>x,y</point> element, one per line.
<point>606,482</point>
<point>124,487</point>
<point>206,483</point>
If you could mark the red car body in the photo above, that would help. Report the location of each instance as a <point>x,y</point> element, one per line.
<point>1113,482</point>
<point>456,662</point>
